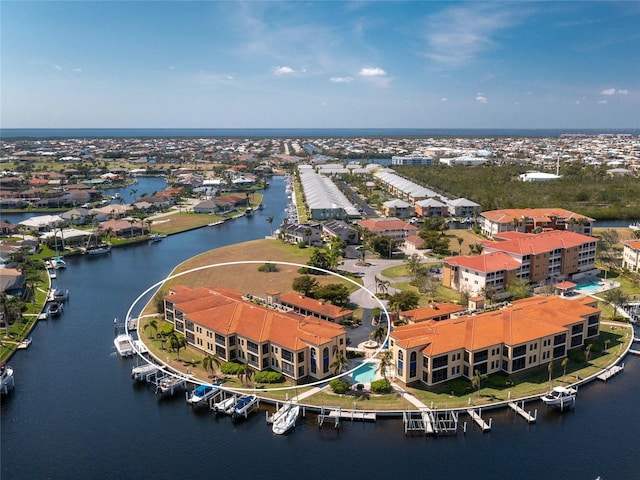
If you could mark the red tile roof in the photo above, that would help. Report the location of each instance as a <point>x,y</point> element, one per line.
<point>635,244</point>
<point>534,244</point>
<point>488,262</point>
<point>312,305</point>
<point>538,214</point>
<point>386,224</point>
<point>432,311</point>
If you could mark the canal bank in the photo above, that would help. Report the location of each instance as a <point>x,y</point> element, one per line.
<point>75,412</point>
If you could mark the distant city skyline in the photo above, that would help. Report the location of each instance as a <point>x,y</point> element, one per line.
<point>320,64</point>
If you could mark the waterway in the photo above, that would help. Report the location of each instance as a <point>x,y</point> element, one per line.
<point>75,412</point>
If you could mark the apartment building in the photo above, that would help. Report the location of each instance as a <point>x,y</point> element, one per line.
<point>528,220</point>
<point>527,334</point>
<point>236,327</point>
<point>538,258</point>
<point>631,255</point>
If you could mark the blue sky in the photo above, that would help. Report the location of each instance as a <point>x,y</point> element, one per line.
<point>320,64</point>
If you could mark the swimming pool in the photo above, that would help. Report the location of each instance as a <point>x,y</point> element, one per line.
<point>589,287</point>
<point>366,373</point>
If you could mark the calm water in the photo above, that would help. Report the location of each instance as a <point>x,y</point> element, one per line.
<point>76,414</point>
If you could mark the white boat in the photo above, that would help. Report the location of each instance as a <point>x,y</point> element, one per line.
<point>58,295</point>
<point>142,372</point>
<point>202,393</point>
<point>156,237</point>
<point>285,418</point>
<point>635,226</point>
<point>6,378</point>
<point>24,343</point>
<point>140,347</point>
<point>100,249</point>
<point>170,384</point>
<point>560,397</point>
<point>58,262</point>
<point>225,405</point>
<point>243,406</point>
<point>124,345</point>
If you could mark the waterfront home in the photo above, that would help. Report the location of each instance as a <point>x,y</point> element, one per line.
<point>527,220</point>
<point>401,187</point>
<point>41,223</point>
<point>431,207</point>
<point>12,282</point>
<point>222,321</point>
<point>339,229</point>
<point>461,207</point>
<point>631,255</point>
<point>528,334</point>
<point>124,228</point>
<point>307,233</point>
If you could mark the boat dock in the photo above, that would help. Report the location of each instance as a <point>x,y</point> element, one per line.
<point>430,422</point>
<point>24,343</point>
<point>523,413</point>
<point>132,324</point>
<point>476,416</point>
<point>144,373</point>
<point>634,352</point>
<point>610,372</point>
<point>169,384</point>
<point>222,402</point>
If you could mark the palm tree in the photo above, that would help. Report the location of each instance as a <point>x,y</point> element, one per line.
<point>385,362</point>
<point>132,221</point>
<point>211,362</point>
<point>153,324</point>
<point>133,193</point>
<point>477,380</point>
<point>550,369</point>
<point>460,241</point>
<point>587,352</point>
<point>245,372</point>
<point>379,334</point>
<point>307,233</point>
<point>564,363</point>
<point>177,341</point>
<point>606,344</point>
<point>339,363</point>
<point>270,222</point>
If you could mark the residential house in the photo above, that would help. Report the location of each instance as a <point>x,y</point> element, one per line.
<point>461,207</point>
<point>339,229</point>
<point>304,305</point>
<point>389,227</point>
<point>397,208</point>
<point>125,228</point>
<point>310,234</point>
<point>435,312</point>
<point>430,207</point>
<point>12,282</point>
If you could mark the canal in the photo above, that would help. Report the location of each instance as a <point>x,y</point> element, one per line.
<point>75,412</point>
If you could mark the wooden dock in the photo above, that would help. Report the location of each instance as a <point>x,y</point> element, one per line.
<point>523,413</point>
<point>477,417</point>
<point>634,352</point>
<point>610,372</point>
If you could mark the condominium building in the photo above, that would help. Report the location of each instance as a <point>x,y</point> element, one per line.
<point>631,255</point>
<point>538,258</point>
<point>236,327</point>
<point>527,220</point>
<point>528,334</point>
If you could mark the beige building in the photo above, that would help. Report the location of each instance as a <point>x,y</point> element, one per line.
<point>222,321</point>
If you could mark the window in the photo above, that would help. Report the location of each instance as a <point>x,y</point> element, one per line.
<point>439,375</point>
<point>313,360</point>
<point>325,360</point>
<point>518,364</point>
<point>400,362</point>
<point>189,325</point>
<point>301,371</point>
<point>577,329</point>
<point>413,364</point>
<point>252,347</point>
<point>253,360</point>
<point>559,339</point>
<point>265,348</point>
<point>439,362</point>
<point>221,351</point>
<point>232,340</point>
<point>519,351</point>
<point>559,352</point>
<point>287,355</point>
<point>300,357</point>
<point>480,356</point>
<point>220,339</point>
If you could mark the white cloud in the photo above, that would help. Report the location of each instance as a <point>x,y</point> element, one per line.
<point>623,92</point>
<point>608,91</point>
<point>529,93</point>
<point>284,70</point>
<point>58,67</point>
<point>481,99</point>
<point>602,102</point>
<point>341,79</point>
<point>458,34</point>
<point>444,99</point>
<point>372,72</point>
<point>77,70</point>
<point>577,102</point>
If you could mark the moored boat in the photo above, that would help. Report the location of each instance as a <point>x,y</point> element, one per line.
<point>243,406</point>
<point>156,237</point>
<point>55,309</point>
<point>58,262</point>
<point>560,397</point>
<point>7,381</point>
<point>285,418</point>
<point>100,249</point>
<point>124,345</point>
<point>202,393</point>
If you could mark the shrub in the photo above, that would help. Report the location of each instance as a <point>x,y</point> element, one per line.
<point>230,368</point>
<point>339,386</point>
<point>268,376</point>
<point>576,355</point>
<point>459,387</point>
<point>268,267</point>
<point>381,386</point>
<point>498,381</point>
